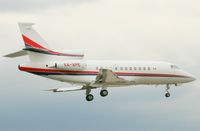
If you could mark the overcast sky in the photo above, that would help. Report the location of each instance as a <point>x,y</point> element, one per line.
<point>104,29</point>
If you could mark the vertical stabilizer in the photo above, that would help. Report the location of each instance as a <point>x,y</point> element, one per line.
<point>31,37</point>
<point>37,49</point>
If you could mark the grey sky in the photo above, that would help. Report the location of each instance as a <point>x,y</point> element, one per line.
<point>104,29</point>
<point>30,5</point>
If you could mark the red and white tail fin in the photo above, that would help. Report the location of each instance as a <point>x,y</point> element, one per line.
<point>31,37</point>
<point>37,48</point>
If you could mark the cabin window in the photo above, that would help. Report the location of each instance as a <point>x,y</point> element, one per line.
<point>126,68</point>
<point>97,68</point>
<point>144,68</point>
<point>130,68</point>
<point>135,68</point>
<point>121,68</point>
<point>149,68</point>
<point>116,68</point>
<point>139,68</point>
<point>154,68</point>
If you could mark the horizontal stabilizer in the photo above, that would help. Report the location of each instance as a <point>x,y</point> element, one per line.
<point>16,54</point>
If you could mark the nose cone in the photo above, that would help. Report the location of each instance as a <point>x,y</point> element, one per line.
<point>190,77</point>
<point>186,77</point>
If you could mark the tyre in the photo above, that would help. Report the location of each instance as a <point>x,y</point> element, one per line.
<point>167,95</point>
<point>89,97</point>
<point>104,93</point>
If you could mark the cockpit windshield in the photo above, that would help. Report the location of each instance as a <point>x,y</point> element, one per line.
<point>174,66</point>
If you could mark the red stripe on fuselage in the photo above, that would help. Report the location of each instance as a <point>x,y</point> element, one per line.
<point>42,70</point>
<point>30,69</point>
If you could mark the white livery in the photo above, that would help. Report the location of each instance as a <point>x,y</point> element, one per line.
<point>70,66</point>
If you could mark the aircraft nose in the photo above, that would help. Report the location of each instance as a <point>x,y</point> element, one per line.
<point>191,77</point>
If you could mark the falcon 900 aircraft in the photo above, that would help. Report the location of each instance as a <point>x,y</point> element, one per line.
<point>70,67</point>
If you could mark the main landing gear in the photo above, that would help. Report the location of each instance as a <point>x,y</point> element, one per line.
<point>90,97</point>
<point>104,93</point>
<point>167,92</point>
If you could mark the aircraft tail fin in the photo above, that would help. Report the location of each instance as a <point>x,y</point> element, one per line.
<point>31,37</point>
<point>36,47</point>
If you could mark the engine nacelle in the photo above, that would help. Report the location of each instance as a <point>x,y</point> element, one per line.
<point>69,65</point>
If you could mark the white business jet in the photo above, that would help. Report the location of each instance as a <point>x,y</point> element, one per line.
<point>70,67</point>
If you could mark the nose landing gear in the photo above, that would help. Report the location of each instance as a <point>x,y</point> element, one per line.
<point>167,94</point>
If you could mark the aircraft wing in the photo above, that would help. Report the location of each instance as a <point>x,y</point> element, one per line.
<point>107,77</point>
<point>65,89</point>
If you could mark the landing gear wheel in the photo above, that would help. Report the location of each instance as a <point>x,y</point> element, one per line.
<point>104,93</point>
<point>167,94</point>
<point>89,97</point>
